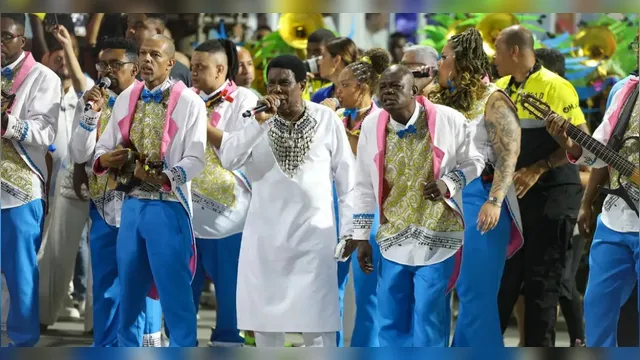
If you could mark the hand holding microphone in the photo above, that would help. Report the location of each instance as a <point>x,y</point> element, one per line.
<point>266,108</point>
<point>95,96</point>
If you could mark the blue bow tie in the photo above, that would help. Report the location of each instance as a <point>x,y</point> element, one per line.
<point>7,74</point>
<point>148,96</point>
<point>351,113</point>
<point>409,130</point>
<point>112,101</point>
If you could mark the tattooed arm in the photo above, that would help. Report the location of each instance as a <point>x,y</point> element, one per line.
<point>503,130</point>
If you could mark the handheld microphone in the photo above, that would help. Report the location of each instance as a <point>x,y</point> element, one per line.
<point>430,72</point>
<point>258,109</point>
<point>105,82</point>
<point>337,102</point>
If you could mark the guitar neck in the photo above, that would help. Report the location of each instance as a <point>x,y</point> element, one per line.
<point>603,152</point>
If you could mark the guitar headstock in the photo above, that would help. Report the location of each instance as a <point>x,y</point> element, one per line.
<point>536,107</point>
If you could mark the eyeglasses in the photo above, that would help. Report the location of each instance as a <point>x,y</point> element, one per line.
<point>8,37</point>
<point>113,65</point>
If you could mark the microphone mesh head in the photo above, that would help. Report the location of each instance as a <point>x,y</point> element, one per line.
<point>106,81</point>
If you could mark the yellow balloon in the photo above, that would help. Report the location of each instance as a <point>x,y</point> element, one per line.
<point>40,15</point>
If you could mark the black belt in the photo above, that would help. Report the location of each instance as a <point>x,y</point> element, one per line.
<point>487,173</point>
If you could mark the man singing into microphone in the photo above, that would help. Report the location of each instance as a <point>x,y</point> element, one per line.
<point>292,153</point>
<point>118,65</point>
<point>164,122</point>
<point>28,128</point>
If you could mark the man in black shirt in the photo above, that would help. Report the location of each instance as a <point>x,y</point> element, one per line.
<point>548,189</point>
<point>142,26</point>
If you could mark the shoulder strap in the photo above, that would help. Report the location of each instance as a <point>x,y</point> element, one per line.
<point>617,135</point>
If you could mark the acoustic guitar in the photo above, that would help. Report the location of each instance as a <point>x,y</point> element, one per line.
<point>123,179</point>
<point>629,191</point>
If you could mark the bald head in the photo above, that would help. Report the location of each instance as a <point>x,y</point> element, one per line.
<point>156,57</point>
<point>398,73</point>
<point>246,69</point>
<point>163,43</point>
<point>517,35</point>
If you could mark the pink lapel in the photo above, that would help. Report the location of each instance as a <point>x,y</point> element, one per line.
<point>170,126</point>
<point>24,70</point>
<point>626,91</point>
<point>125,123</point>
<point>432,114</point>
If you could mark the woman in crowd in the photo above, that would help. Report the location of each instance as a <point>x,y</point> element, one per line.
<point>464,85</point>
<point>354,88</point>
<point>337,55</point>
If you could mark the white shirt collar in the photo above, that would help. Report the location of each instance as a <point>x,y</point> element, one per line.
<point>398,126</point>
<point>206,96</point>
<point>15,63</point>
<point>162,87</point>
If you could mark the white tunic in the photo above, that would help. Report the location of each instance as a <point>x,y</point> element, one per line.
<point>287,274</point>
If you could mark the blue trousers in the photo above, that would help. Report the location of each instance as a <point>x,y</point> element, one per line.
<point>106,286</point>
<point>413,305</point>
<point>483,259</point>
<point>21,239</point>
<point>365,330</point>
<point>614,270</point>
<point>218,260</point>
<point>154,244</point>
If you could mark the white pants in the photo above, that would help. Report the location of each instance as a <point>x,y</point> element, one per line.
<point>57,255</point>
<point>274,339</point>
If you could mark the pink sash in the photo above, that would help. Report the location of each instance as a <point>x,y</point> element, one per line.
<point>25,69</point>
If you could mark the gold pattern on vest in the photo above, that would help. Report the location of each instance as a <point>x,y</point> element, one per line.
<point>215,182</point>
<point>146,134</point>
<point>97,183</point>
<point>14,170</point>
<point>408,166</point>
<point>631,148</point>
<point>479,106</point>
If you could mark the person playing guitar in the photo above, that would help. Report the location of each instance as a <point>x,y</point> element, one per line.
<point>614,250</point>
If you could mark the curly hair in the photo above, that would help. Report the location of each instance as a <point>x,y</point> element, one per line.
<point>472,65</point>
<point>368,71</point>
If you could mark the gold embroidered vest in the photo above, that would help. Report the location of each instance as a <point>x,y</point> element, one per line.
<point>408,167</point>
<point>97,184</point>
<point>631,148</point>
<point>215,182</point>
<point>14,170</point>
<point>146,136</point>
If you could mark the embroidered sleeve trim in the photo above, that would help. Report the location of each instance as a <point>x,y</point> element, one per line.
<point>90,120</point>
<point>19,130</point>
<point>458,179</point>
<point>362,221</point>
<point>178,175</point>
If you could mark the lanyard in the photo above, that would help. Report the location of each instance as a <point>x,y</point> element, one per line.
<point>512,81</point>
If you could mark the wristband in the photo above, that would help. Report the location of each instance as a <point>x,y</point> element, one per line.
<point>494,200</point>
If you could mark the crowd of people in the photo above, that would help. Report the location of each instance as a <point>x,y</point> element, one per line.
<point>421,170</point>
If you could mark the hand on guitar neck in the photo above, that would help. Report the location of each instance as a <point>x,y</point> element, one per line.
<point>557,127</point>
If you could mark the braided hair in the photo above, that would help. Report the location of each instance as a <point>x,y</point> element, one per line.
<point>215,46</point>
<point>368,69</point>
<point>472,65</point>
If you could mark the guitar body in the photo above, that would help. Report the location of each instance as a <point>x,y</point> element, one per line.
<point>635,176</point>
<point>122,179</point>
